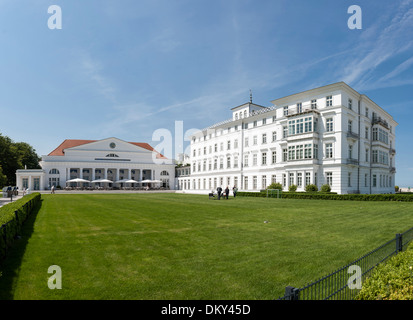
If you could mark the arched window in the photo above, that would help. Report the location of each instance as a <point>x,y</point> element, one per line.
<point>236,116</point>
<point>164,173</point>
<point>54,171</point>
<point>245,113</point>
<point>112,155</point>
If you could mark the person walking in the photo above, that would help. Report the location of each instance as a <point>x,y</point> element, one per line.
<point>226,192</point>
<point>234,191</point>
<point>53,189</point>
<point>219,190</point>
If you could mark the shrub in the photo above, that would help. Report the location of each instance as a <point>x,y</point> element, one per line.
<point>12,217</point>
<point>392,280</point>
<point>311,188</point>
<point>275,185</point>
<point>325,188</point>
<point>292,188</point>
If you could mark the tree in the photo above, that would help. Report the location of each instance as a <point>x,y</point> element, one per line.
<point>275,185</point>
<point>3,178</point>
<point>325,188</point>
<point>292,188</point>
<point>14,156</point>
<point>311,188</point>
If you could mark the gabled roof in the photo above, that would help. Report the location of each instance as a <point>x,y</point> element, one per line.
<point>71,143</point>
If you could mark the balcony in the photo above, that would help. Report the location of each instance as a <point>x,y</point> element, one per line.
<point>381,121</point>
<point>352,161</point>
<point>392,151</point>
<point>303,110</point>
<point>352,135</point>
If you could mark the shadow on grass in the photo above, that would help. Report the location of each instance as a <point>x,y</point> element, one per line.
<point>10,265</point>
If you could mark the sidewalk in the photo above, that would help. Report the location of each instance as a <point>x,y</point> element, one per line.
<point>4,201</point>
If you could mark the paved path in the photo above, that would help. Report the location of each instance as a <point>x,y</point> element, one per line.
<point>4,201</point>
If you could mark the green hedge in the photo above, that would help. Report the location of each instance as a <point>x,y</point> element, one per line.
<point>392,280</point>
<point>12,217</point>
<point>332,196</point>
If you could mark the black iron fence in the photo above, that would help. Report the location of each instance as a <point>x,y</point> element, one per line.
<point>345,283</point>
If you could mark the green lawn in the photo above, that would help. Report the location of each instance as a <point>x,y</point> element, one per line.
<point>175,246</point>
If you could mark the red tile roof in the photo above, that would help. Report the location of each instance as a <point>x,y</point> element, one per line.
<point>71,143</point>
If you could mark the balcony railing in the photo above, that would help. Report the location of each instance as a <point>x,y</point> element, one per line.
<point>381,121</point>
<point>353,135</point>
<point>302,110</point>
<point>352,161</point>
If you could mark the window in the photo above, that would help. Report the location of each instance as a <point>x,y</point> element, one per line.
<point>246,142</point>
<point>264,121</point>
<point>254,182</point>
<point>236,182</point>
<point>329,150</point>
<point>329,101</point>
<point>314,104</point>
<point>374,180</point>
<point>366,176</point>
<point>254,140</point>
<point>291,153</point>
<point>285,110</point>
<point>264,158</point>
<point>367,112</point>
<point>264,138</point>
<point>246,183</point>
<point>235,143</point>
<point>307,151</point>
<point>349,179</point>
<point>299,126</point>
<point>236,116</point>
<point>285,132</point>
<point>228,162</point>
<point>221,146</point>
<point>228,145</point>
<point>307,178</point>
<point>350,126</point>
<point>246,160</point>
<point>329,125</point>
<point>366,132</point>
<point>254,159</point>
<point>54,171</point>
<point>285,155</point>
<point>273,178</point>
<point>264,182</point>
<point>284,180</point>
<point>112,155</point>
<point>329,178</point>
<point>274,118</point>
<point>216,147</point>
<point>215,164</point>
<point>274,157</point>
<point>255,123</point>
<point>350,152</point>
<point>235,161</point>
<point>350,104</point>
<point>299,179</point>
<point>274,136</point>
<point>221,163</point>
<point>367,155</point>
<point>299,107</point>
<point>291,180</point>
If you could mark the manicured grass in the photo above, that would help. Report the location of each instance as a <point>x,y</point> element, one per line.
<point>175,246</point>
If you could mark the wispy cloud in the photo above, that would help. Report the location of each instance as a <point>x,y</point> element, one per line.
<point>377,46</point>
<point>94,73</point>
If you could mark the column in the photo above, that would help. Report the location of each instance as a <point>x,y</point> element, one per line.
<point>129,174</point>
<point>140,174</point>
<point>93,174</point>
<point>117,175</point>
<point>81,173</point>
<point>105,170</point>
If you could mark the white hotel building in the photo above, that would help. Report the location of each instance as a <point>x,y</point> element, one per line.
<point>112,159</point>
<point>328,135</point>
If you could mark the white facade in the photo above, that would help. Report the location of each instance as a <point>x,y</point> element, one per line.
<point>111,159</point>
<point>328,135</point>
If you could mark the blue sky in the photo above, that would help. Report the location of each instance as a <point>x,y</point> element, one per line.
<point>129,67</point>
